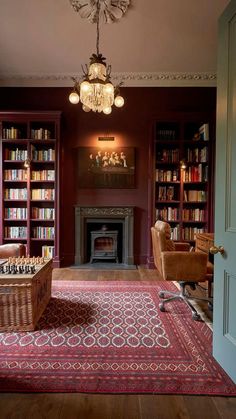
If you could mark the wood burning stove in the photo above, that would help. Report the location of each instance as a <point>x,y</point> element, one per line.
<point>104,245</point>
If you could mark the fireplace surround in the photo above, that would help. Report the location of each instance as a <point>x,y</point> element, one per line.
<point>104,215</point>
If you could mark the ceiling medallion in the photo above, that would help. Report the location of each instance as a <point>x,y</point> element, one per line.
<point>110,10</point>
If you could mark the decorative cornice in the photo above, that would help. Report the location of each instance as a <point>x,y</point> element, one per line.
<point>168,76</point>
<point>152,79</point>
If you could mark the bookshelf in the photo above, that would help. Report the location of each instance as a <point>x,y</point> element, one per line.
<point>184,172</point>
<point>30,195</point>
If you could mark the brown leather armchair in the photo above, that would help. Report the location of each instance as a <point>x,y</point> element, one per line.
<point>175,262</point>
<point>12,250</point>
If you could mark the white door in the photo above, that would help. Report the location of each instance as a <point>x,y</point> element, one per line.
<point>224,317</point>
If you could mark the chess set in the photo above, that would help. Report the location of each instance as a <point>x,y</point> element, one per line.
<point>22,265</point>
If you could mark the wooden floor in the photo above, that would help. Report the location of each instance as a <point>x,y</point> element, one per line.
<point>93,406</point>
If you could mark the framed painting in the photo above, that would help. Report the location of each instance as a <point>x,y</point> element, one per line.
<point>111,167</point>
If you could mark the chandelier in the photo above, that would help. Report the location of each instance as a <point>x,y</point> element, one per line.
<point>96,91</point>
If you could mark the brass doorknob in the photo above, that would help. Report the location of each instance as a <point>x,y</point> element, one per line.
<point>215,249</point>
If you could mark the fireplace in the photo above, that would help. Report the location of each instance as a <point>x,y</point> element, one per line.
<point>93,219</point>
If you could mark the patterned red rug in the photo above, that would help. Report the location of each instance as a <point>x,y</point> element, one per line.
<point>110,337</point>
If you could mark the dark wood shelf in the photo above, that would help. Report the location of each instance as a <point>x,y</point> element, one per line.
<point>181,127</point>
<point>14,161</point>
<point>43,141</point>
<point>195,183</point>
<point>43,161</point>
<point>168,202</point>
<point>14,181</point>
<point>166,163</point>
<point>194,202</point>
<point>168,182</point>
<point>14,140</point>
<point>193,222</point>
<point>37,239</point>
<point>14,239</point>
<point>42,200</point>
<point>42,181</point>
<point>16,220</point>
<point>15,200</point>
<point>41,220</point>
<point>25,126</point>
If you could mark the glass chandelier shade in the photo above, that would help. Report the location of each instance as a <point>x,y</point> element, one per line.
<point>95,91</point>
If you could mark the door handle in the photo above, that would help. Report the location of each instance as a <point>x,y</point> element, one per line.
<point>215,249</point>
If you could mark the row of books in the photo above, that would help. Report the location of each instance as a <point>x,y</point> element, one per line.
<point>11,133</point>
<point>43,213</point>
<point>197,155</point>
<point>166,193</point>
<point>175,232</point>
<point>15,174</point>
<point>21,193</point>
<point>167,175</point>
<point>15,193</point>
<point>15,154</point>
<point>40,134</point>
<point>15,232</point>
<point>15,213</point>
<point>20,232</point>
<point>166,134</point>
<point>204,132</point>
<point>37,213</point>
<point>189,233</point>
<point>43,232</point>
<point>43,175</point>
<point>21,174</point>
<point>168,214</point>
<point>168,156</point>
<point>193,214</point>
<point>196,174</point>
<point>48,251</point>
<point>43,155</point>
<point>43,194</point>
<point>195,196</point>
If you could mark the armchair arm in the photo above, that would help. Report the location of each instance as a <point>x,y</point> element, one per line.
<point>12,250</point>
<point>182,247</point>
<point>184,266</point>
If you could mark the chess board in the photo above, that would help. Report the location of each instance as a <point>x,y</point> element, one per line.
<point>21,265</point>
<point>25,290</point>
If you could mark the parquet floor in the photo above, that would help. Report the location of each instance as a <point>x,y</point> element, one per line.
<point>93,406</point>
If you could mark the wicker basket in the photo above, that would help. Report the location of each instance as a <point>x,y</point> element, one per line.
<point>23,298</point>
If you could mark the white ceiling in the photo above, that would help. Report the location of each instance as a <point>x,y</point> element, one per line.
<point>157,42</point>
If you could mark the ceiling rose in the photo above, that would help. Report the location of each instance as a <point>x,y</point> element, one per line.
<point>110,10</point>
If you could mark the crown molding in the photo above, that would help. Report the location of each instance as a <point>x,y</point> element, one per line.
<point>154,79</point>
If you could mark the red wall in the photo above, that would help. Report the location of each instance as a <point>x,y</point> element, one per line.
<point>131,126</point>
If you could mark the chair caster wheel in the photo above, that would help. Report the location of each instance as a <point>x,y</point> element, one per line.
<point>161,307</point>
<point>210,306</point>
<point>196,317</point>
<point>161,294</point>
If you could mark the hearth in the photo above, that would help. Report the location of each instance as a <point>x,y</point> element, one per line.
<point>90,221</point>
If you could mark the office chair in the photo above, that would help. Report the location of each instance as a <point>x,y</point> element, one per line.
<point>175,262</point>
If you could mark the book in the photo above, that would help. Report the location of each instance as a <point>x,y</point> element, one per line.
<point>204,132</point>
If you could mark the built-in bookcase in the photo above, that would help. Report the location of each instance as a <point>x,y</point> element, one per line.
<point>184,158</point>
<point>30,195</point>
